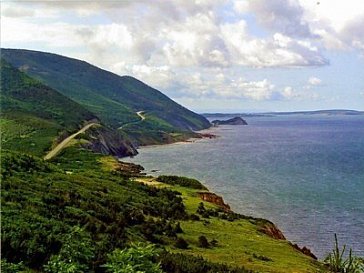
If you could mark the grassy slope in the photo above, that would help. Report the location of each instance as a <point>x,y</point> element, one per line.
<point>238,241</point>
<point>34,114</point>
<point>113,98</point>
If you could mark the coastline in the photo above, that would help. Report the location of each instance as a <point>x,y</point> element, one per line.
<point>272,231</point>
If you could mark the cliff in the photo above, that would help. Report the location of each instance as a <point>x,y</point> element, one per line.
<point>215,199</point>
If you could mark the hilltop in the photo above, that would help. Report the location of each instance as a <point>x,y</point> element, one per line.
<point>114,99</point>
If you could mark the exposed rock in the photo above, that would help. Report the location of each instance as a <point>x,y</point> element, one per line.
<point>207,135</point>
<point>232,121</point>
<point>109,142</point>
<point>271,230</point>
<point>215,199</point>
<point>129,169</point>
<point>304,250</point>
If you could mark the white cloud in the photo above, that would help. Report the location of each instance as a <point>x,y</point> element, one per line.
<point>192,48</point>
<point>314,81</point>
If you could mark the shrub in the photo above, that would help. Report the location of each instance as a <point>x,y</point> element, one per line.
<point>135,259</point>
<point>194,217</point>
<point>177,228</point>
<point>181,243</point>
<point>214,242</point>
<point>75,254</point>
<point>202,242</point>
<point>181,181</point>
<point>183,263</point>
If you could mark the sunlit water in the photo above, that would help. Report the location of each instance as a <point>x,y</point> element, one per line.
<point>304,173</point>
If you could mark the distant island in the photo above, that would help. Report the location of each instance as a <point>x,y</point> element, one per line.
<point>232,121</point>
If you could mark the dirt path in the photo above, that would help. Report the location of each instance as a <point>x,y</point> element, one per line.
<point>61,145</point>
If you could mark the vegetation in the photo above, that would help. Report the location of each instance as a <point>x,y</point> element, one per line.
<point>79,213</point>
<point>113,99</point>
<point>33,114</point>
<point>339,263</point>
<point>135,259</point>
<point>181,181</point>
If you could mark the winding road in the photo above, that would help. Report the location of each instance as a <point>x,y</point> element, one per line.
<point>61,145</point>
<point>140,114</point>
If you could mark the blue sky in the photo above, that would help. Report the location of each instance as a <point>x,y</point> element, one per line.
<point>210,55</point>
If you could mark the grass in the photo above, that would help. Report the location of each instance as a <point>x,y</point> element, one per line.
<point>239,242</point>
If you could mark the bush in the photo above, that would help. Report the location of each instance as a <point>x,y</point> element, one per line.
<point>181,181</point>
<point>194,217</point>
<point>177,228</point>
<point>202,242</point>
<point>181,243</point>
<point>75,254</point>
<point>182,263</point>
<point>135,259</point>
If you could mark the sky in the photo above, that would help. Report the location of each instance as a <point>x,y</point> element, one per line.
<point>209,55</point>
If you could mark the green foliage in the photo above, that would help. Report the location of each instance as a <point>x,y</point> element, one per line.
<point>15,162</point>
<point>139,258</point>
<point>181,181</point>
<point>75,255</point>
<point>183,263</point>
<point>339,263</point>
<point>41,206</point>
<point>7,267</point>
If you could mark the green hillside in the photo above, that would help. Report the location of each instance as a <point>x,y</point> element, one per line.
<point>33,114</point>
<point>114,99</point>
<point>74,213</point>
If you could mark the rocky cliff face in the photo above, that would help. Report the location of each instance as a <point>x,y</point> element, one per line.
<point>304,250</point>
<point>271,230</point>
<point>215,199</point>
<point>109,142</point>
<point>232,121</point>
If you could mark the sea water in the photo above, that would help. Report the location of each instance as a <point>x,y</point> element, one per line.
<point>304,173</point>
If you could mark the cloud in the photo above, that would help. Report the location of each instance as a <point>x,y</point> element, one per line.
<point>284,16</point>
<point>14,11</point>
<point>314,81</point>
<point>278,50</point>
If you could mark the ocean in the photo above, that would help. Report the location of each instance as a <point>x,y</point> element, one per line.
<point>305,173</point>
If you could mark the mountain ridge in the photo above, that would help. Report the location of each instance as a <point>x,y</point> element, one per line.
<point>114,99</point>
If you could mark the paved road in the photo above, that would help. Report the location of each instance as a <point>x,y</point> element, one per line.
<point>61,145</point>
<point>140,114</point>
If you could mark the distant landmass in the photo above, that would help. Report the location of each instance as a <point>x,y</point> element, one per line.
<point>268,114</point>
<point>232,121</point>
